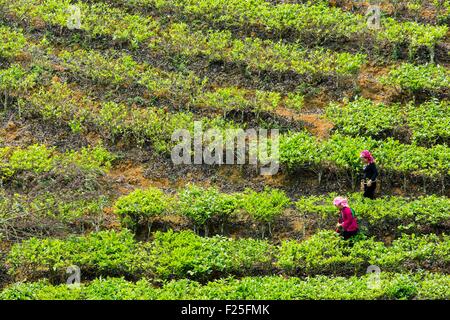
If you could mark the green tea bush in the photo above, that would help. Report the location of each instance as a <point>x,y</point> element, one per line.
<point>135,29</point>
<point>257,54</point>
<point>73,209</point>
<point>228,99</point>
<point>89,158</point>
<point>427,123</point>
<point>36,158</point>
<point>434,286</point>
<point>185,254</point>
<point>324,251</point>
<point>341,153</point>
<point>299,150</point>
<point>417,35</point>
<point>384,213</point>
<point>203,205</point>
<point>364,117</point>
<point>308,21</point>
<point>118,69</point>
<point>12,42</point>
<point>415,78</point>
<point>391,286</point>
<point>154,125</point>
<point>16,80</point>
<point>98,289</point>
<point>104,252</point>
<point>142,205</point>
<point>402,287</point>
<point>408,249</point>
<point>264,206</point>
<point>60,104</point>
<point>39,159</point>
<point>212,208</point>
<point>98,19</point>
<point>113,68</point>
<point>430,122</point>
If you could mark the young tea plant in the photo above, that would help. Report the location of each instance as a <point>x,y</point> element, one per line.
<point>142,206</point>
<point>264,206</point>
<point>202,205</point>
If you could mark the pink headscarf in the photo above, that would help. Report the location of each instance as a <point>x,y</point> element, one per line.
<point>340,201</point>
<point>367,155</point>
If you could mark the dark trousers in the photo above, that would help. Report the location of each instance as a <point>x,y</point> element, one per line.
<point>348,234</point>
<point>369,192</point>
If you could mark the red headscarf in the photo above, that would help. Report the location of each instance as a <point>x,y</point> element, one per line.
<point>367,155</point>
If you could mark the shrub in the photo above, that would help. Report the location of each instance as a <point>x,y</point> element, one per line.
<point>104,252</point>
<point>392,286</point>
<point>434,286</point>
<point>12,42</point>
<point>430,122</point>
<point>264,206</point>
<point>15,81</point>
<point>202,205</point>
<point>40,158</point>
<point>324,251</point>
<point>364,117</point>
<point>142,205</point>
<point>35,158</point>
<point>341,153</point>
<point>403,214</point>
<point>300,149</point>
<point>187,255</point>
<point>402,287</point>
<point>414,78</point>
<point>184,254</point>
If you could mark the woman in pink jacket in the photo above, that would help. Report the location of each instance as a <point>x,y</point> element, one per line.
<point>347,222</point>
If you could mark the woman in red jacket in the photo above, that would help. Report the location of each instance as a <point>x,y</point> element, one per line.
<point>347,222</point>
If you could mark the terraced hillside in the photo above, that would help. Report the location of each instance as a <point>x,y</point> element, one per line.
<point>88,109</point>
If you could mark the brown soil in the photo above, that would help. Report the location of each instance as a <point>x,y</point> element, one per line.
<point>16,134</point>
<point>318,101</point>
<point>398,192</point>
<point>287,113</point>
<point>10,132</point>
<point>5,246</point>
<point>128,176</point>
<point>314,123</point>
<point>110,219</point>
<point>320,126</point>
<point>371,88</point>
<point>93,138</point>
